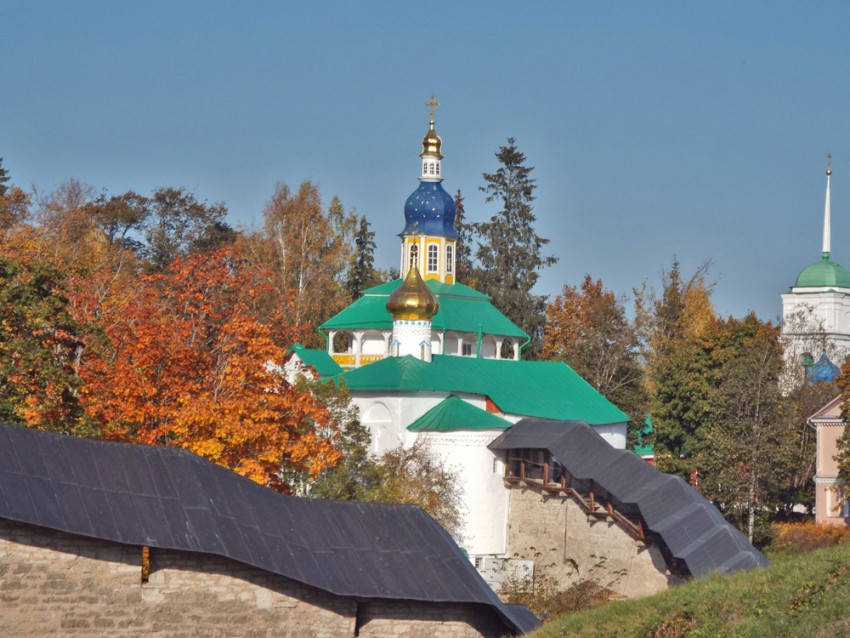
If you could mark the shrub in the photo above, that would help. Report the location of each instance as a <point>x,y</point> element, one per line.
<point>542,596</point>
<point>807,536</point>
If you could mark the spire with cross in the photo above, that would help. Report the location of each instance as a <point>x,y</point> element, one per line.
<point>432,105</point>
<point>827,239</point>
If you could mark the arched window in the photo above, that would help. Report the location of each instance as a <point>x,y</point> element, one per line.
<point>432,258</point>
<point>449,255</point>
<point>414,255</point>
<point>342,343</point>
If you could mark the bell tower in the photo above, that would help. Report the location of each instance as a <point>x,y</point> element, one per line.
<point>429,236</point>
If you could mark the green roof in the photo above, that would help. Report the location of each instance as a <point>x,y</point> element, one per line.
<point>456,414</point>
<point>461,308</point>
<point>545,389</point>
<point>824,273</point>
<point>320,360</point>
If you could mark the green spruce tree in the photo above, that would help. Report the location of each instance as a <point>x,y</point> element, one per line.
<point>510,252</point>
<point>4,178</point>
<point>463,244</point>
<point>362,274</point>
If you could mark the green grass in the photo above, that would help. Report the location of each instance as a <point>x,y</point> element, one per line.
<point>799,595</point>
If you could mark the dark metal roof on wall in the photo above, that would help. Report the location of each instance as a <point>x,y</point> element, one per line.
<point>169,498</point>
<point>691,528</point>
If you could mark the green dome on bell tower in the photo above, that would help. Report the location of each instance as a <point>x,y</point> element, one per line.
<point>824,274</point>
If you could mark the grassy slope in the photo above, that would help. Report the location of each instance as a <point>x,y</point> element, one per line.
<point>799,595</point>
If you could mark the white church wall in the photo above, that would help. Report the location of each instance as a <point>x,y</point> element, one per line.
<point>816,321</point>
<point>388,415</point>
<point>614,433</point>
<point>481,472</point>
<point>488,347</point>
<point>450,343</point>
<point>373,342</point>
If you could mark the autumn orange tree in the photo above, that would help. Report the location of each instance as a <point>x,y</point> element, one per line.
<point>190,360</point>
<point>587,327</point>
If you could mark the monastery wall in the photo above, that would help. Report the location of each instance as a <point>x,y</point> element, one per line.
<point>554,532</point>
<point>52,583</point>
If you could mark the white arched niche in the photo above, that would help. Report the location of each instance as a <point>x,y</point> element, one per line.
<point>378,418</point>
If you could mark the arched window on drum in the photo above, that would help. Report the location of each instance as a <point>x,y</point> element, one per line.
<point>433,260</point>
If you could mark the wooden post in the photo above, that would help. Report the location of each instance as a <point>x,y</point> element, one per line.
<point>146,563</point>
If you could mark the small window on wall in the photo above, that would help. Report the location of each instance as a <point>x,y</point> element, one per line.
<point>438,169</point>
<point>467,350</point>
<point>431,169</point>
<point>432,258</point>
<point>414,255</point>
<point>449,255</point>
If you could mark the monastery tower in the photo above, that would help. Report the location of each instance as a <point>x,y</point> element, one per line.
<point>816,311</point>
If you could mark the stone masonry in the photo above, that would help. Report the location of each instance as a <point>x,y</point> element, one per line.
<point>554,532</point>
<point>61,584</point>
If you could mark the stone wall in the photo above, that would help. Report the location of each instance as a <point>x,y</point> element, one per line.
<point>56,583</point>
<point>553,531</point>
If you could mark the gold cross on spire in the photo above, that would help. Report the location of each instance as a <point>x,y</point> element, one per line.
<point>829,163</point>
<point>432,104</point>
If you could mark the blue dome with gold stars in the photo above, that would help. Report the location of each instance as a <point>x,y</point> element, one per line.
<point>430,210</point>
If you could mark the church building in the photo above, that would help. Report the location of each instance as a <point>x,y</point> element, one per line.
<point>427,357</point>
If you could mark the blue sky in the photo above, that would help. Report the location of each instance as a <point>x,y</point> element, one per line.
<point>655,129</point>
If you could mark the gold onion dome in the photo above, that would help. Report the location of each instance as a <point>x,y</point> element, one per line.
<point>413,299</point>
<point>431,143</point>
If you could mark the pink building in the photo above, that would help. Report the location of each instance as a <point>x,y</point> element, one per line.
<point>830,506</point>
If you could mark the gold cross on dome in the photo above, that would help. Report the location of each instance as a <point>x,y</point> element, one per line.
<point>432,104</point>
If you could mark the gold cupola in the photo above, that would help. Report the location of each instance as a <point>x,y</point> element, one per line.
<point>413,299</point>
<point>431,143</point>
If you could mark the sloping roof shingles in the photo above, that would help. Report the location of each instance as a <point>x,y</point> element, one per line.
<point>170,498</point>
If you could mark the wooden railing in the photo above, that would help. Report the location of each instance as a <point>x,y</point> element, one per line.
<point>535,468</point>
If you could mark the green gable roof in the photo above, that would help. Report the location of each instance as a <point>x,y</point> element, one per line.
<point>546,389</point>
<point>461,308</point>
<point>318,359</point>
<point>456,414</point>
